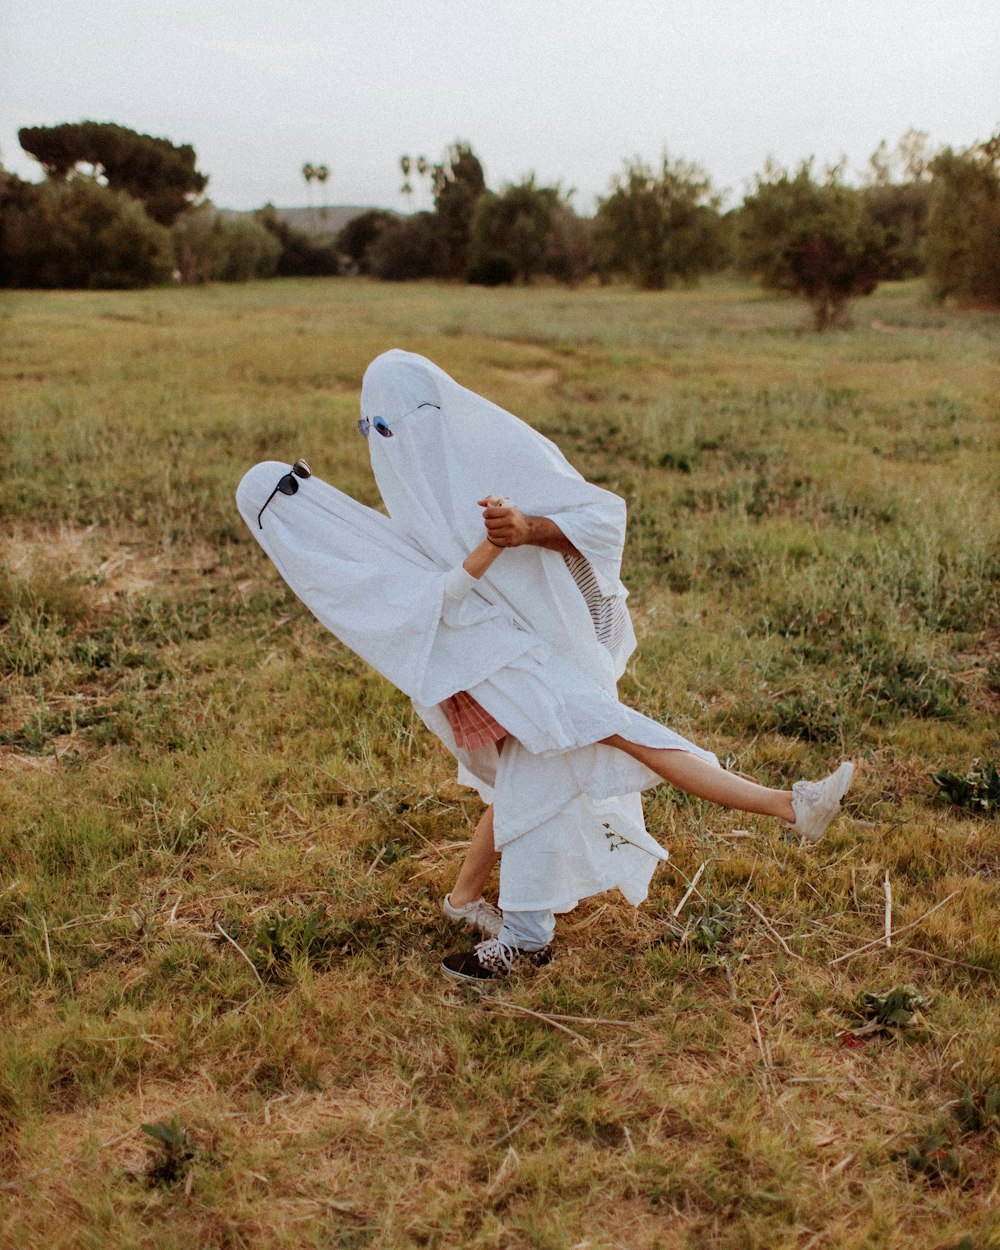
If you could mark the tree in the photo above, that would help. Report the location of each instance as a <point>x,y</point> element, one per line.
<point>440,239</point>
<point>161,175</point>
<point>524,231</point>
<point>900,210</point>
<point>897,196</point>
<point>567,247</point>
<point>211,248</point>
<point>514,225</point>
<point>408,248</point>
<point>357,238</point>
<point>963,229</point>
<point>811,239</point>
<point>659,226</point>
<point>406,165</point>
<point>322,173</point>
<point>310,173</point>
<point>78,234</point>
<point>458,182</point>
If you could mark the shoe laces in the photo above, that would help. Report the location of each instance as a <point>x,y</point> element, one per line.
<point>493,953</point>
<point>808,792</point>
<point>481,911</point>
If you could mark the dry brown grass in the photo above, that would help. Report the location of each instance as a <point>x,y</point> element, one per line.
<point>183,751</point>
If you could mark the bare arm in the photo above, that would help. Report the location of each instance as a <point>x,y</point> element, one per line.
<point>508,526</point>
<point>480,558</point>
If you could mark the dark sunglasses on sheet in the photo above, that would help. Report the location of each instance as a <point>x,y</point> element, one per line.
<point>287,485</point>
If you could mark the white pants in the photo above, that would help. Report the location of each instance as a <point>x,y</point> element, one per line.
<point>527,930</point>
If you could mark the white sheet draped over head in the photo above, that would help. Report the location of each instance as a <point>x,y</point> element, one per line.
<point>450,448</point>
<point>372,588</point>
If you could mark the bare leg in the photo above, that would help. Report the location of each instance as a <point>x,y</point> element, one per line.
<point>708,781</point>
<point>479,862</point>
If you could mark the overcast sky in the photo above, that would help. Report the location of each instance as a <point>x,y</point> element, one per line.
<point>563,88</point>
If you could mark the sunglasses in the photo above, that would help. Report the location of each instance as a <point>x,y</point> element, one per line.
<point>287,485</point>
<point>382,426</point>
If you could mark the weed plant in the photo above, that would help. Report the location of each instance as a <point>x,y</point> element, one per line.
<point>224,840</point>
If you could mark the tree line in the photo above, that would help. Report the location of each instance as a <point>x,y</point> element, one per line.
<point>121,209</point>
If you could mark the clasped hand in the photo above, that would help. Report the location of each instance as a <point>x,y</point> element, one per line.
<point>506,524</point>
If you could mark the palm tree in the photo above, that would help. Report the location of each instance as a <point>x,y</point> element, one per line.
<point>405,164</point>
<point>321,174</point>
<point>422,167</point>
<point>309,173</point>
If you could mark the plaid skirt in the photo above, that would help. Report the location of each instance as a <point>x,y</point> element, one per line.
<point>471,724</point>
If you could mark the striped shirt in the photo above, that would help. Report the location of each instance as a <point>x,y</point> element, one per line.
<point>608,612</point>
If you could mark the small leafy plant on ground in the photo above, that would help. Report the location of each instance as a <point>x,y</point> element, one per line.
<point>171,1153</point>
<point>888,1013</point>
<point>937,1154</point>
<point>977,791</point>
<point>933,1155</point>
<point>709,929</point>
<point>295,936</point>
<point>978,1109</point>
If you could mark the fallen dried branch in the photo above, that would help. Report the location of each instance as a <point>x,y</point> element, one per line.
<point>690,890</point>
<point>906,927</point>
<point>233,942</point>
<point>958,963</point>
<point>510,1132</point>
<point>888,910</point>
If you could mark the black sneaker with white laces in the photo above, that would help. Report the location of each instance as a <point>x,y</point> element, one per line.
<point>492,959</point>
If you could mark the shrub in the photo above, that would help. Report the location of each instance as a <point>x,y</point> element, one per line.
<point>811,239</point>
<point>978,790</point>
<point>213,248</point>
<point>301,255</point>
<point>359,236</point>
<point>78,234</point>
<point>410,248</point>
<point>659,227</point>
<point>492,269</point>
<point>963,229</point>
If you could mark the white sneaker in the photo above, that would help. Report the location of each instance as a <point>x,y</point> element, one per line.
<point>816,803</point>
<point>477,915</point>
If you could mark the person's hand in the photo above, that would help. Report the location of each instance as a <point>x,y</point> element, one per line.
<point>506,525</point>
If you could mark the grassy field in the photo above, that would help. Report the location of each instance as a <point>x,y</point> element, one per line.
<point>224,841</point>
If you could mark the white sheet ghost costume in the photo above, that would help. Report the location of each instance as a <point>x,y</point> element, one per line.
<point>568,816</point>
<point>450,448</point>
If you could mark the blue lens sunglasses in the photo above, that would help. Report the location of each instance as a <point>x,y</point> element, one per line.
<point>381,425</point>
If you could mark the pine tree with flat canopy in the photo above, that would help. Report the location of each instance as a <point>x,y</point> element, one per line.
<point>158,173</point>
